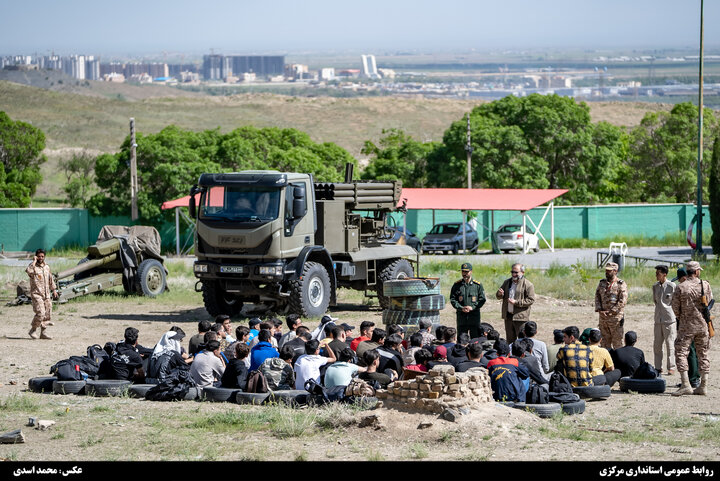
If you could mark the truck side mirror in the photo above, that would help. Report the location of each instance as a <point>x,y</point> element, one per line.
<point>299,202</point>
<point>191,205</point>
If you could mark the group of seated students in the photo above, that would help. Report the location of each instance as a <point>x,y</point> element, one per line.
<point>331,356</point>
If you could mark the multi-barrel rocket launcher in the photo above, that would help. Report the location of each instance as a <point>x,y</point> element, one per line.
<point>127,256</point>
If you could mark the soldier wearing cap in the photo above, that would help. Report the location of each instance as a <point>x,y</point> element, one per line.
<point>467,296</point>
<point>517,294</point>
<point>687,305</point>
<point>610,299</point>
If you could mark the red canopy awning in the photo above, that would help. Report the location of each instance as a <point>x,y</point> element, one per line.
<point>451,199</point>
<point>478,199</point>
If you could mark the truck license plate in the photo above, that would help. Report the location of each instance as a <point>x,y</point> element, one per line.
<point>232,269</point>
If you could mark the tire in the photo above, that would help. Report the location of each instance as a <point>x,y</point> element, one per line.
<point>151,277</point>
<point>291,397</point>
<point>435,302</point>
<point>397,269</point>
<point>593,392</point>
<point>216,302</point>
<point>128,285</point>
<point>251,397</point>
<point>578,407</point>
<point>193,394</point>
<point>645,386</point>
<point>414,286</point>
<point>82,275</point>
<point>219,394</point>
<point>310,292</point>
<point>107,387</point>
<point>68,387</point>
<point>41,384</point>
<point>409,318</point>
<point>542,410</point>
<point>139,390</point>
<point>510,404</point>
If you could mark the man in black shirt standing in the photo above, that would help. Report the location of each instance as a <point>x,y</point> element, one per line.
<point>629,357</point>
<point>126,362</point>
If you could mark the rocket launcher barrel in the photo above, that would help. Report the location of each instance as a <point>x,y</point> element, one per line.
<point>362,195</point>
<point>86,266</point>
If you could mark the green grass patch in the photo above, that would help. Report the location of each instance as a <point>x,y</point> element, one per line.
<point>19,402</point>
<point>417,451</point>
<point>100,409</point>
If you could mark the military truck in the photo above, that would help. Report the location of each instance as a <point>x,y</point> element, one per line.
<point>279,241</point>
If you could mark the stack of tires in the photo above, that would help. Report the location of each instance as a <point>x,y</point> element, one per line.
<point>413,299</point>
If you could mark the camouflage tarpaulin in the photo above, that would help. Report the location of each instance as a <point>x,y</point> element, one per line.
<point>141,238</point>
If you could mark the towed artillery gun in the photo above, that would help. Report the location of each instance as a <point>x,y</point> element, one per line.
<point>281,242</point>
<point>127,256</point>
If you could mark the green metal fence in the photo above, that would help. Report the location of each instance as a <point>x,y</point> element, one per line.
<point>28,229</point>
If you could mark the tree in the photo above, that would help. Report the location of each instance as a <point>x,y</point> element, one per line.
<point>663,157</point>
<point>171,161</point>
<point>714,188</point>
<point>398,156</point>
<point>79,178</point>
<point>538,141</point>
<point>21,147</point>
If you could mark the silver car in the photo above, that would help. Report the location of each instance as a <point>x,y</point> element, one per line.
<point>509,237</point>
<point>448,237</point>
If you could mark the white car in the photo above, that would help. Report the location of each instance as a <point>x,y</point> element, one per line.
<point>509,237</point>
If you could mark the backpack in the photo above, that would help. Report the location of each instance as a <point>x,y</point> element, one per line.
<point>537,394</point>
<point>559,383</point>
<point>256,382</point>
<point>72,369</point>
<point>65,371</point>
<point>359,388</point>
<point>563,397</point>
<point>173,388</point>
<point>97,353</point>
<point>322,395</point>
<point>645,371</point>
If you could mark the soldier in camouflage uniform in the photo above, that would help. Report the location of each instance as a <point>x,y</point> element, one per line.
<point>42,292</point>
<point>610,299</point>
<point>686,303</point>
<point>467,296</point>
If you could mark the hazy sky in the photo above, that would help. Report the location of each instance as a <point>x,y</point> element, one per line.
<point>286,26</point>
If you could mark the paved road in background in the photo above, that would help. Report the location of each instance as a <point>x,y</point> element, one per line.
<point>544,259</point>
<point>541,260</point>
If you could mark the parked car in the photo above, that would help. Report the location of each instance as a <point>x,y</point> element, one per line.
<point>510,237</point>
<point>410,239</point>
<point>448,237</point>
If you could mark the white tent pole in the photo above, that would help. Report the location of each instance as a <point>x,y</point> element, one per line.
<point>177,230</point>
<point>464,222</point>
<point>552,226</point>
<point>524,233</point>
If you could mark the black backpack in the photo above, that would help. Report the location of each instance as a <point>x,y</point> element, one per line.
<point>69,369</point>
<point>645,371</point>
<point>256,382</point>
<point>537,394</point>
<point>559,383</point>
<point>322,395</point>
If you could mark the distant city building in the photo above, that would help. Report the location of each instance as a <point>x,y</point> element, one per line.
<point>217,67</point>
<point>386,73</point>
<point>327,73</point>
<point>114,77</point>
<point>92,68</point>
<point>348,73</point>
<point>297,71</point>
<point>248,77</point>
<point>74,66</point>
<point>369,67</point>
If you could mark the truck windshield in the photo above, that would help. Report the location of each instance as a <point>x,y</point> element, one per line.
<point>247,203</point>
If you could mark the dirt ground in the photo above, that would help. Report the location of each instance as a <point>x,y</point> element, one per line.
<point>627,426</point>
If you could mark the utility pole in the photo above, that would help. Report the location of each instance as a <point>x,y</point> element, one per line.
<point>698,241</point>
<point>468,149</point>
<point>133,173</point>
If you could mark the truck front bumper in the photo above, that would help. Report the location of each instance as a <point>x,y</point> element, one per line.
<point>268,272</point>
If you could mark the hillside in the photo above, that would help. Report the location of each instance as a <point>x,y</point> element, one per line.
<point>95,117</point>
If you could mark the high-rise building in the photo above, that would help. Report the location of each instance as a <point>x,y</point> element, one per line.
<point>369,67</point>
<point>92,68</point>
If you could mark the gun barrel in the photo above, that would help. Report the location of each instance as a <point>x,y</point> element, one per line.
<point>86,266</point>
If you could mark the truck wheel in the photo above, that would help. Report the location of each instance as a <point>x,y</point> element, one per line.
<point>151,276</point>
<point>217,302</point>
<point>397,269</point>
<point>456,248</point>
<point>310,293</point>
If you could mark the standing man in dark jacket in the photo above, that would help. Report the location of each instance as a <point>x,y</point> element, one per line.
<point>467,296</point>
<point>517,294</point>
